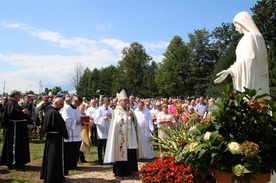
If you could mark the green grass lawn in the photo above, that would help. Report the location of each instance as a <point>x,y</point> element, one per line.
<point>31,172</point>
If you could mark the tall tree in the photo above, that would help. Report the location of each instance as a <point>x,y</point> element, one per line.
<point>74,78</point>
<point>84,87</point>
<point>149,88</point>
<point>95,81</point>
<point>106,80</point>
<point>55,90</point>
<point>264,15</point>
<point>173,74</point>
<point>271,56</point>
<point>133,67</point>
<point>204,57</point>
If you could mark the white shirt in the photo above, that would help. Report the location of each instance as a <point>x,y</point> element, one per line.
<point>101,123</point>
<point>91,111</point>
<point>144,119</point>
<point>71,115</point>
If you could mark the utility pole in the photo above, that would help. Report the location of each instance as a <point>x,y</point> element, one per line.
<point>40,87</point>
<point>4,88</point>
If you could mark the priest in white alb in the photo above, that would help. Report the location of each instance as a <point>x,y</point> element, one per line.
<point>102,120</point>
<point>124,141</point>
<point>146,125</point>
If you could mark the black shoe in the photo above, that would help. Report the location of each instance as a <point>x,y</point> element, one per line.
<point>127,173</point>
<point>100,162</point>
<point>83,161</point>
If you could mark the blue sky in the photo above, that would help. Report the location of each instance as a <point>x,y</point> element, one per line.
<point>44,40</point>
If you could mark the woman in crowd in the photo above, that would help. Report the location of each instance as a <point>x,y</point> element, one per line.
<point>164,120</point>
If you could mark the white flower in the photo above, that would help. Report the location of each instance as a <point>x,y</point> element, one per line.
<point>207,136</point>
<point>174,145</point>
<point>234,147</point>
<point>193,128</point>
<point>238,170</point>
<point>190,147</point>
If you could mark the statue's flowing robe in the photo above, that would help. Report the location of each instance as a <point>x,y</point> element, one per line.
<point>251,68</point>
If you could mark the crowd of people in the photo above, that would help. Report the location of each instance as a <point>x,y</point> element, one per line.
<point>120,127</point>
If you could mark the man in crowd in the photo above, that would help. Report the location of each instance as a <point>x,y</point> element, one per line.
<point>84,101</point>
<point>91,111</point>
<point>146,125</point>
<point>132,101</point>
<point>201,108</point>
<point>72,117</point>
<point>2,109</point>
<point>53,161</point>
<point>41,112</point>
<point>28,104</point>
<point>16,151</point>
<point>102,120</point>
<point>124,139</point>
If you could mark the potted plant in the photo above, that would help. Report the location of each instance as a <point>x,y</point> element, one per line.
<point>239,138</point>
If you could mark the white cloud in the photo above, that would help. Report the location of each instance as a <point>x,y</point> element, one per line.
<point>157,58</point>
<point>47,35</point>
<point>161,45</point>
<point>52,69</point>
<point>14,25</point>
<point>115,44</point>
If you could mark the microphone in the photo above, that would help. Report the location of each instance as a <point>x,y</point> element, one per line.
<point>127,107</point>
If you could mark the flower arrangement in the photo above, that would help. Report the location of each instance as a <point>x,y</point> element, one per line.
<point>238,138</point>
<point>173,146</point>
<point>165,170</point>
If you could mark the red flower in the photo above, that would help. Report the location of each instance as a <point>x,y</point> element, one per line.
<point>165,170</point>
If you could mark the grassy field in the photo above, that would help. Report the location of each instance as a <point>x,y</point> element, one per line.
<point>31,172</point>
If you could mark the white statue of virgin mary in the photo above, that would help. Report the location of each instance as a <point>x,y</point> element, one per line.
<point>251,68</point>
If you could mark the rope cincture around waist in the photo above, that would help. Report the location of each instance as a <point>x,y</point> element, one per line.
<point>52,132</point>
<point>18,120</point>
<point>14,136</point>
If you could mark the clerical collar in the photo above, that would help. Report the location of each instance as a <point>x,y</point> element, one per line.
<point>73,106</point>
